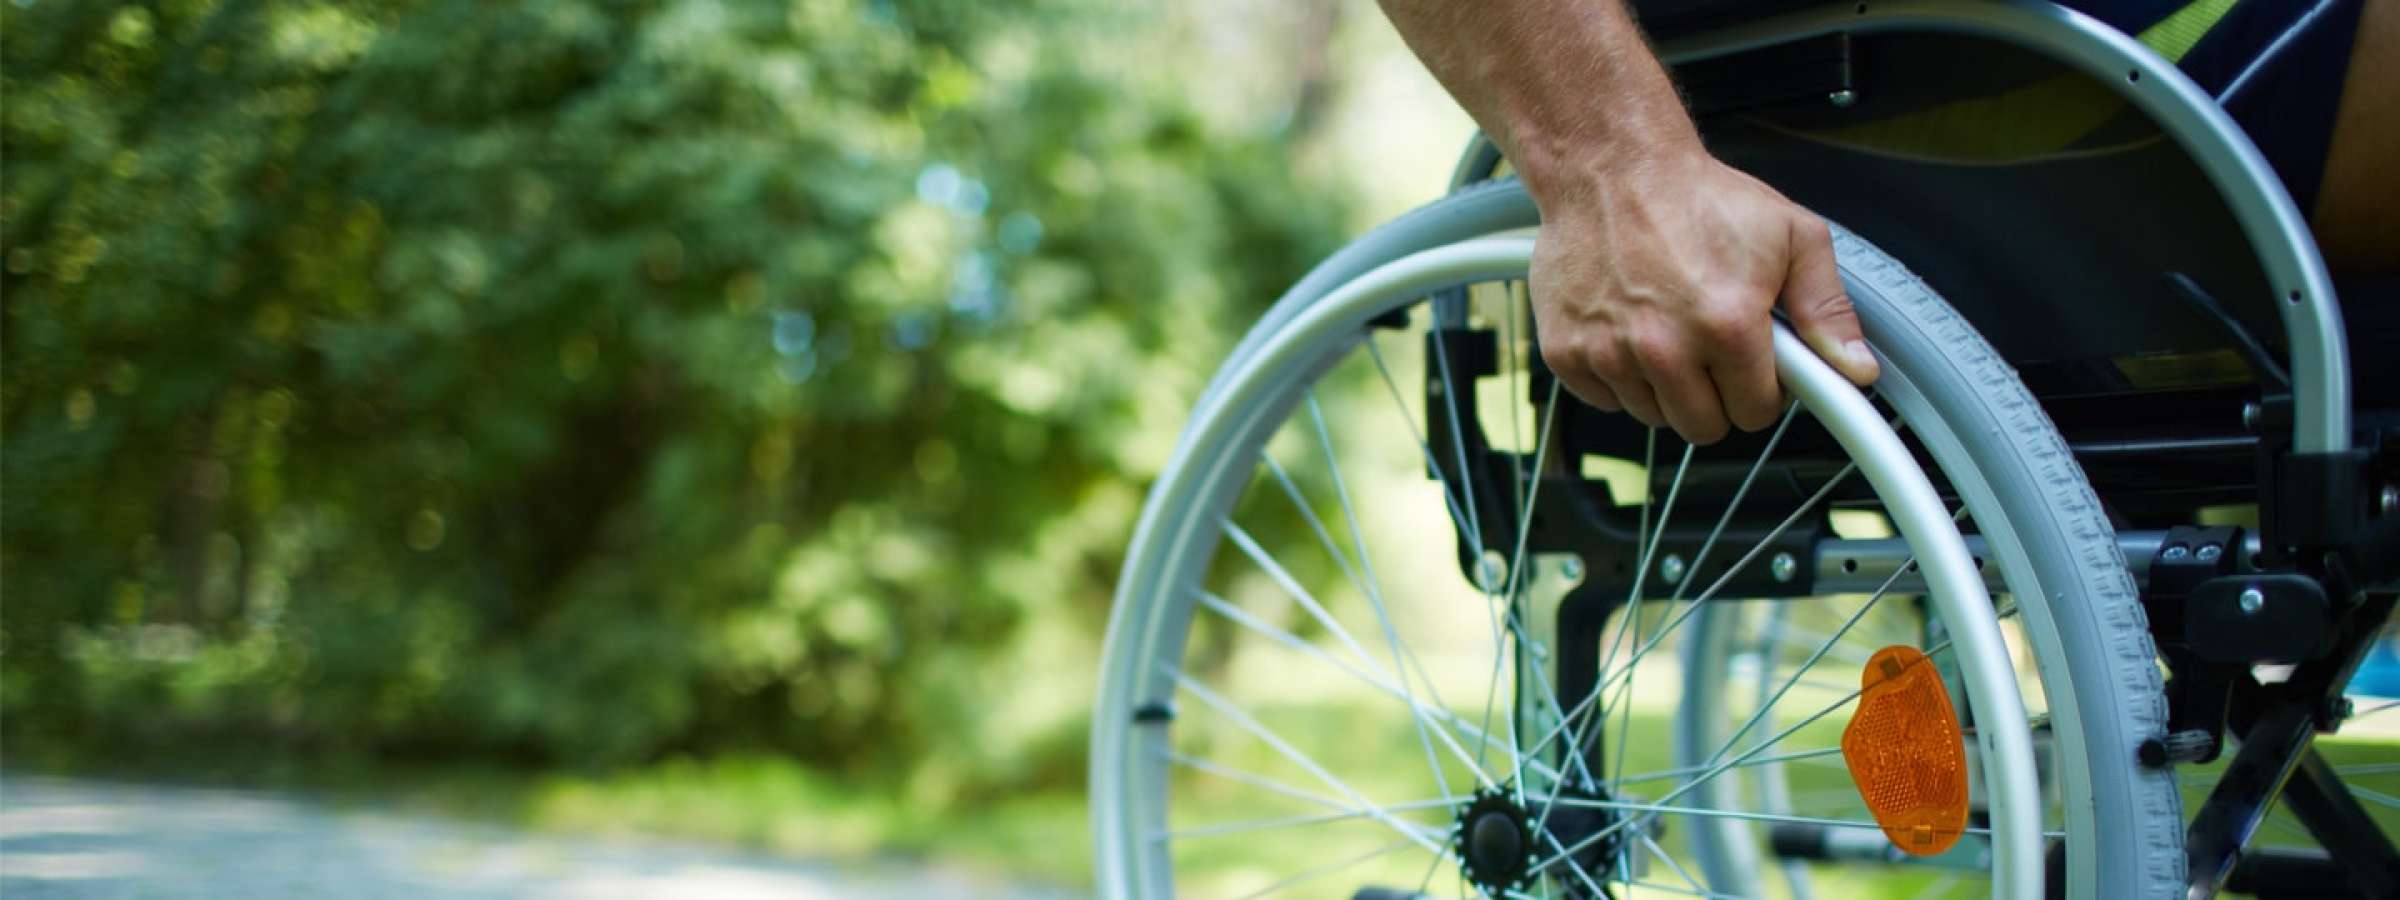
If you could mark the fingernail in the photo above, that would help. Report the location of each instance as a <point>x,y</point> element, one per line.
<point>1858,353</point>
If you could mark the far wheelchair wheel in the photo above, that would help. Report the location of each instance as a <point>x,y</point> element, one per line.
<point>1314,686</point>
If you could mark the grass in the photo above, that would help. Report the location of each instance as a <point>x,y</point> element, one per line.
<point>776,806</point>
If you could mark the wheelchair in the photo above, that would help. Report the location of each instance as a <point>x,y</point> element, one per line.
<point>1396,621</point>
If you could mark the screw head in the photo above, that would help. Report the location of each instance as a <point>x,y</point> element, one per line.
<point>2250,415</point>
<point>1571,569</point>
<point>2387,501</point>
<point>1491,572</point>
<point>2209,552</point>
<point>1671,569</point>
<point>2174,552</point>
<point>1783,567</point>
<point>2252,600</point>
<point>1842,98</point>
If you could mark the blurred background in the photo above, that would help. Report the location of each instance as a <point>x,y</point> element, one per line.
<point>717,419</point>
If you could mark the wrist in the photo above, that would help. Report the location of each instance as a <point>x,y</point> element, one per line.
<point>1594,177</point>
<point>1566,169</point>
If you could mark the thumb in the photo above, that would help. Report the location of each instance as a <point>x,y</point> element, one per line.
<point>1818,306</point>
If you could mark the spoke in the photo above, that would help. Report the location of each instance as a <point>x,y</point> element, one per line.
<point>1458,515</point>
<point>1805,634</point>
<point>1645,543</point>
<point>1491,694</point>
<point>1542,684</point>
<point>1676,867</point>
<point>1430,869</point>
<point>1666,513</point>
<point>1291,586</point>
<point>1711,772</point>
<point>1573,867</point>
<point>1513,369</point>
<point>2385,706</point>
<point>1794,756</point>
<point>1374,591</point>
<point>1566,723</point>
<point>1516,572</point>
<point>1811,662</point>
<point>1243,618</point>
<point>1330,868</point>
<point>1655,809</point>
<point>1575,738</point>
<point>1458,443</point>
<point>2368,769</point>
<point>2373,796</point>
<point>1466,477</point>
<point>1720,768</point>
<point>1755,549</point>
<point>1253,779</point>
<point>1465,520</point>
<point>1672,889</point>
<point>1740,492</point>
<point>1242,719</point>
<point>1249,825</point>
<point>1722,580</point>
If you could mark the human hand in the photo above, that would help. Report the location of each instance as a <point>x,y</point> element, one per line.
<point>1652,287</point>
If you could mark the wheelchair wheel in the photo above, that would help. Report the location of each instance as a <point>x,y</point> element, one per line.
<point>1323,675</point>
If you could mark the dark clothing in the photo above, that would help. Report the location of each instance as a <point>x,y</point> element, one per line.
<point>2275,65</point>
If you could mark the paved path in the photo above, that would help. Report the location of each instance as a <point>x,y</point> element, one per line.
<point>69,838</point>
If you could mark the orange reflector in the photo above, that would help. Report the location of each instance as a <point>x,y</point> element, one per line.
<point>1907,754</point>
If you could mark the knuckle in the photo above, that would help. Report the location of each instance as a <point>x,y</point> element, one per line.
<point>1727,325</point>
<point>1559,354</point>
<point>1752,413</point>
<point>1654,351</point>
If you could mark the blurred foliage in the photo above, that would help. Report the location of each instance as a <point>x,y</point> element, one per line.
<point>593,382</point>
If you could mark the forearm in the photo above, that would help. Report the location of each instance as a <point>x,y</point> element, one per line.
<point>1567,88</point>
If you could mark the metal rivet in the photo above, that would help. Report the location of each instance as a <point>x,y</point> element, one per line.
<point>2250,416</point>
<point>1492,571</point>
<point>2174,552</point>
<point>2209,552</point>
<point>2252,601</point>
<point>1671,569</point>
<point>2388,500</point>
<point>1571,569</point>
<point>1783,566</point>
<point>1842,98</point>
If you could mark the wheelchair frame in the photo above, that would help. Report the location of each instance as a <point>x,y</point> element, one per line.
<point>2313,585</point>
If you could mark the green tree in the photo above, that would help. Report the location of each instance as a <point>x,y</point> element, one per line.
<point>594,380</point>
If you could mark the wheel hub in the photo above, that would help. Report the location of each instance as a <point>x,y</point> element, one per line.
<point>1495,842</point>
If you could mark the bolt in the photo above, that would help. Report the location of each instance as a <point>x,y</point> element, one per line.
<point>1571,569</point>
<point>2209,552</point>
<point>2250,416</point>
<point>2174,552</point>
<point>1491,571</point>
<point>2387,501</point>
<point>1842,98</point>
<point>2252,601</point>
<point>1671,569</point>
<point>1784,567</point>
